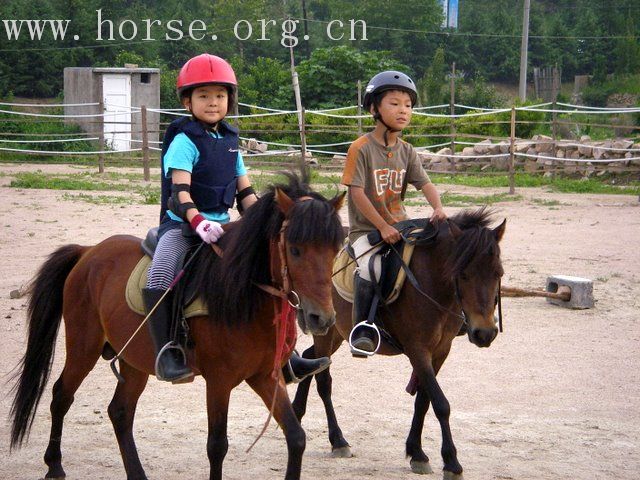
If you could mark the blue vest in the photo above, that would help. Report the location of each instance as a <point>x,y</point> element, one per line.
<point>213,179</point>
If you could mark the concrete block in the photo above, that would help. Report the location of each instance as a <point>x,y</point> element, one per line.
<point>581,290</point>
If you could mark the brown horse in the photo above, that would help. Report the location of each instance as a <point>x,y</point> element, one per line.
<point>458,279</point>
<point>86,285</point>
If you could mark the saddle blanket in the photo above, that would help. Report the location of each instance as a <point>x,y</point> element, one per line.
<point>344,269</point>
<point>138,280</point>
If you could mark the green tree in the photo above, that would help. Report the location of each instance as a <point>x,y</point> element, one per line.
<point>330,76</point>
<point>433,83</point>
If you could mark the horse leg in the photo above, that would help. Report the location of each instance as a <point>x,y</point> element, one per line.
<point>302,392</point>
<point>442,409</point>
<point>266,387</point>
<point>326,345</point>
<point>340,448</point>
<point>122,411</point>
<point>419,460</point>
<point>217,413</point>
<point>75,370</point>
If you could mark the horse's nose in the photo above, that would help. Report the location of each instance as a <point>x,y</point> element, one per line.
<point>319,322</point>
<point>483,337</point>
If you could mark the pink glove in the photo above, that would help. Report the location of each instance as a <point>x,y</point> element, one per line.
<point>209,231</point>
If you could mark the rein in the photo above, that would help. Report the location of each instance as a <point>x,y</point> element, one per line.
<point>414,281</point>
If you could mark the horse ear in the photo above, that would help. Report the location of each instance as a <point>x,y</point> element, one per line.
<point>338,201</point>
<point>284,201</point>
<point>498,232</point>
<point>455,229</point>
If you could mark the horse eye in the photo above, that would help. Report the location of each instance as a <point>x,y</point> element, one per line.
<point>463,276</point>
<point>294,251</point>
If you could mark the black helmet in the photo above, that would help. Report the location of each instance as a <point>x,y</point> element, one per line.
<point>389,80</point>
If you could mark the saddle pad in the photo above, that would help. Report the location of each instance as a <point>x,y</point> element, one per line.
<point>138,280</point>
<point>346,266</point>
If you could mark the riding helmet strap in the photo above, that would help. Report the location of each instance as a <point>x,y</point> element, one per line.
<point>378,117</point>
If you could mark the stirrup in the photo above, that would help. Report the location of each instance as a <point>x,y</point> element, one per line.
<point>172,346</point>
<point>364,325</point>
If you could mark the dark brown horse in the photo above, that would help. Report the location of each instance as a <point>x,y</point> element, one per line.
<point>86,286</point>
<point>461,274</point>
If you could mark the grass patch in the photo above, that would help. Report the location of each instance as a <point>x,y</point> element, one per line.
<point>74,181</point>
<point>557,184</point>
<point>546,203</point>
<point>87,181</point>
<point>453,200</point>
<point>99,199</point>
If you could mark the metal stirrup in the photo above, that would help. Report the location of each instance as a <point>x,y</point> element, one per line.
<point>169,346</point>
<point>365,324</point>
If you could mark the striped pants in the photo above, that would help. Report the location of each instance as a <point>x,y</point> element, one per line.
<point>166,261</point>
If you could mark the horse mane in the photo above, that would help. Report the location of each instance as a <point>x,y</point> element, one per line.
<point>476,239</point>
<point>229,284</point>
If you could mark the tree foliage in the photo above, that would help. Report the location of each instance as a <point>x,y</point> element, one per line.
<point>580,36</point>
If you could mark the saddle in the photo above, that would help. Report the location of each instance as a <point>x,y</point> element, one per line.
<point>395,269</point>
<point>187,304</point>
<point>393,276</point>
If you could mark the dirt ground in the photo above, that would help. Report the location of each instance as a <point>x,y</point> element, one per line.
<point>557,395</point>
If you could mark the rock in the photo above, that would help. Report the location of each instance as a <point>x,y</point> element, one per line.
<point>571,167</point>
<point>600,150</point>
<point>252,144</point>
<point>261,147</point>
<point>494,148</point>
<point>468,151</point>
<point>622,144</point>
<point>544,143</point>
<point>531,166</point>
<point>585,150</point>
<point>442,166</point>
<point>560,153</point>
<point>523,146</point>
<point>585,139</point>
<point>574,154</point>
<point>504,146</point>
<point>482,148</point>
<point>500,163</point>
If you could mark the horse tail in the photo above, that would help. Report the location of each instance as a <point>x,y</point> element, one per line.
<point>44,316</point>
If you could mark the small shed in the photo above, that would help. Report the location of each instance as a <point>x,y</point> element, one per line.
<point>119,91</point>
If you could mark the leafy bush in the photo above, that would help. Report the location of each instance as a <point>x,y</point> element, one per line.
<point>329,77</point>
<point>479,93</point>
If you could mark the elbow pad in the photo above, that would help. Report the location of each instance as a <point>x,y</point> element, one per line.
<point>245,192</point>
<point>173,204</point>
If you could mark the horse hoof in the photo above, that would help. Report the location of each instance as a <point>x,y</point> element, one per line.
<point>342,452</point>
<point>446,475</point>
<point>421,468</point>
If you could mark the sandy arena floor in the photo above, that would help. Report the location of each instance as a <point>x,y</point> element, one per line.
<point>557,396</point>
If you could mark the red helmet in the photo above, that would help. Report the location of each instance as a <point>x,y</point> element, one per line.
<point>206,69</point>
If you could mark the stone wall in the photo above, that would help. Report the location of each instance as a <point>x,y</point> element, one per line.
<point>539,154</point>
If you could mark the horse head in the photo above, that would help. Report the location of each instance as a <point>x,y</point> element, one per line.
<point>476,269</point>
<point>311,234</point>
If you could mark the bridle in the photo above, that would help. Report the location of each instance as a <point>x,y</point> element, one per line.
<point>458,295</point>
<point>497,302</point>
<point>286,291</point>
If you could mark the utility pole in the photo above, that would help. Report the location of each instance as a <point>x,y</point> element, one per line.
<point>523,51</point>
<point>301,119</point>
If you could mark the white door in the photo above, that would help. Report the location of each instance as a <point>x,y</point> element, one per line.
<point>116,95</point>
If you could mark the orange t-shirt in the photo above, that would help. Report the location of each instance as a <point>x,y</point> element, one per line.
<point>383,173</point>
